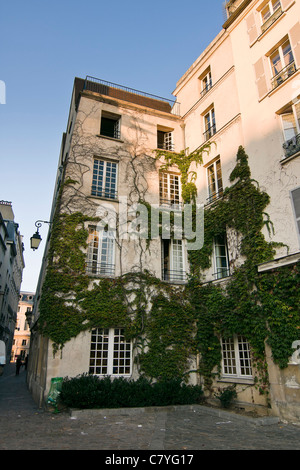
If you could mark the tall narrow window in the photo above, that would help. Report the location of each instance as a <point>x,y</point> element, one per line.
<point>165,140</point>
<point>206,83</point>
<point>296,203</point>
<point>214,181</point>
<point>169,190</point>
<point>110,125</point>
<point>101,252</point>
<point>291,129</point>
<point>282,63</point>
<point>236,357</point>
<point>110,352</point>
<point>209,124</point>
<point>221,257</point>
<point>104,183</point>
<point>173,264</point>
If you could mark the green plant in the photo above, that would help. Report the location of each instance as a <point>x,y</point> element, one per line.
<point>226,396</point>
<point>88,391</point>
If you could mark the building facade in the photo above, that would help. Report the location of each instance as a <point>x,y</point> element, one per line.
<point>21,341</point>
<point>11,269</point>
<point>135,295</point>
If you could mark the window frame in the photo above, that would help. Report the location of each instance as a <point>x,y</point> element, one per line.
<point>291,144</point>
<point>104,190</point>
<point>220,270</point>
<point>106,356</point>
<point>209,119</point>
<point>277,78</point>
<point>296,219</point>
<point>206,82</point>
<point>165,187</point>
<point>167,143</point>
<point>212,196</point>
<point>233,360</point>
<point>116,128</point>
<point>267,22</point>
<point>174,276</point>
<point>97,248</point>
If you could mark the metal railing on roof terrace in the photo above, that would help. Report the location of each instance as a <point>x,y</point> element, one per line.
<point>103,87</point>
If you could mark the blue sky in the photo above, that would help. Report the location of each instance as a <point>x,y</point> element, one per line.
<point>44,45</point>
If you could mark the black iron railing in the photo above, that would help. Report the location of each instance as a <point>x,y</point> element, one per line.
<point>171,204</point>
<point>174,277</point>
<point>100,269</point>
<point>221,273</point>
<point>105,193</point>
<point>283,75</point>
<point>292,146</point>
<point>271,20</point>
<point>210,132</point>
<point>104,87</point>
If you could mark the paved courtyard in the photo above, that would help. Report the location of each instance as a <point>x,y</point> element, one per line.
<point>23,426</point>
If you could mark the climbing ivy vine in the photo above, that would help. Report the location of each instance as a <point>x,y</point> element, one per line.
<point>170,325</point>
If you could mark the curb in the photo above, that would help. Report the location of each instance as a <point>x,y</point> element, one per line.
<point>94,412</point>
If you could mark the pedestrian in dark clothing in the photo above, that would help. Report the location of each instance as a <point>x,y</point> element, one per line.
<point>18,365</point>
<point>26,362</point>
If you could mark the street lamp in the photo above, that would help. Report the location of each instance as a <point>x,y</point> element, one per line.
<point>36,238</point>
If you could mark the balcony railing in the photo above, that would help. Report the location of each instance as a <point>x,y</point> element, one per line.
<point>214,196</point>
<point>283,75</point>
<point>222,273</point>
<point>210,132</point>
<point>207,87</point>
<point>105,193</point>
<point>169,146</point>
<point>174,277</point>
<point>292,146</point>
<point>271,20</point>
<point>171,204</point>
<point>100,269</point>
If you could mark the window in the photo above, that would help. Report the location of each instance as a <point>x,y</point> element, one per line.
<point>104,183</point>
<point>270,13</point>
<point>173,265</point>
<point>221,257</point>
<point>101,252</point>
<point>291,129</point>
<point>282,63</point>
<point>296,203</point>
<point>209,124</point>
<point>214,181</point>
<point>110,352</point>
<point>206,83</point>
<point>165,140</point>
<point>236,357</point>
<point>110,125</point>
<point>169,190</point>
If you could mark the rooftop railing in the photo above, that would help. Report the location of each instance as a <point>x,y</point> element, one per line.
<point>104,87</point>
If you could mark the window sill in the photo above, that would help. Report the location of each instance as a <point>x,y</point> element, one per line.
<point>274,90</point>
<point>237,380</point>
<point>291,157</point>
<point>110,138</point>
<point>104,198</point>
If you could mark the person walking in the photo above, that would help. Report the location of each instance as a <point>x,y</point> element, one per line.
<point>18,365</point>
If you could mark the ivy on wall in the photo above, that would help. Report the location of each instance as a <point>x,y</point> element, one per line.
<point>169,325</point>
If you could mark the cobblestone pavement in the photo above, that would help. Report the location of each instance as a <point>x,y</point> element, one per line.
<point>23,426</point>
